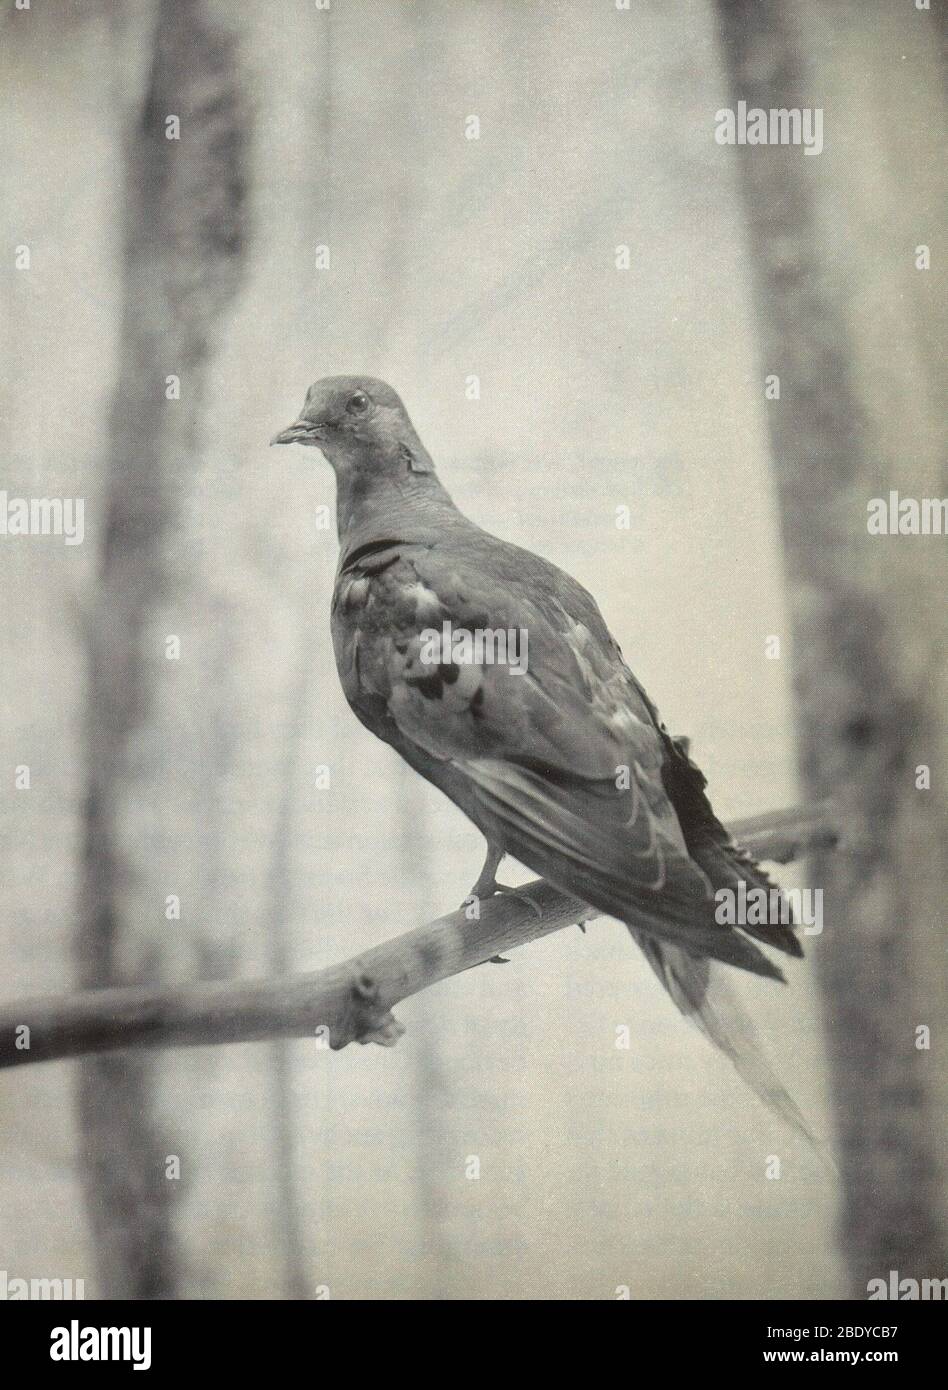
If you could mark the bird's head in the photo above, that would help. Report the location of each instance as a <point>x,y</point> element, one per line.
<point>359,423</point>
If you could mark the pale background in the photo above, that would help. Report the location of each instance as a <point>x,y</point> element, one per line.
<point>599,1167</point>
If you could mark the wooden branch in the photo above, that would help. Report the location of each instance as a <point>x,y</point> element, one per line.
<point>344,1003</point>
<point>782,836</point>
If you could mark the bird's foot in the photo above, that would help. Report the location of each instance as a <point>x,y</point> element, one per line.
<point>482,891</point>
<point>519,893</point>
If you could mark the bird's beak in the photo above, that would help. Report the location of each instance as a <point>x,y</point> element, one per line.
<point>299,431</point>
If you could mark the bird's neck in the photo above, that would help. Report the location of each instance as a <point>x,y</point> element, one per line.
<point>396,504</point>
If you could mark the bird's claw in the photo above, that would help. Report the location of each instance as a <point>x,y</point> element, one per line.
<point>480,893</point>
<point>519,893</point>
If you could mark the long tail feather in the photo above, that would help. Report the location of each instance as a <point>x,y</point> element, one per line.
<point>704,995</point>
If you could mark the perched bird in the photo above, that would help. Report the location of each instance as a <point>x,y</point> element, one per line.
<point>564,763</point>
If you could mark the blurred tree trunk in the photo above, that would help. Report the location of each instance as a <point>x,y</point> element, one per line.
<point>288,1219</point>
<point>869,636</point>
<point>432,1097</point>
<point>182,259</point>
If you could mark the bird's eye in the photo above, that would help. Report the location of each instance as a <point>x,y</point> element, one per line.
<point>358,403</point>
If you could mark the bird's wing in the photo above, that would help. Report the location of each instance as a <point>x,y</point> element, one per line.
<point>565,760</point>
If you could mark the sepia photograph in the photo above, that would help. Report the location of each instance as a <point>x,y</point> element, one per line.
<point>474,666</point>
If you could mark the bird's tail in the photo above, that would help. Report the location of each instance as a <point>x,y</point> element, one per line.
<point>703,994</point>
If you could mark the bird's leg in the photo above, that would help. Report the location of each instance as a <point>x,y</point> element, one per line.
<point>487,885</point>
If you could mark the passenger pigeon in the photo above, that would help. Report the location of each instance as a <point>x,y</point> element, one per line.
<point>565,764</point>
